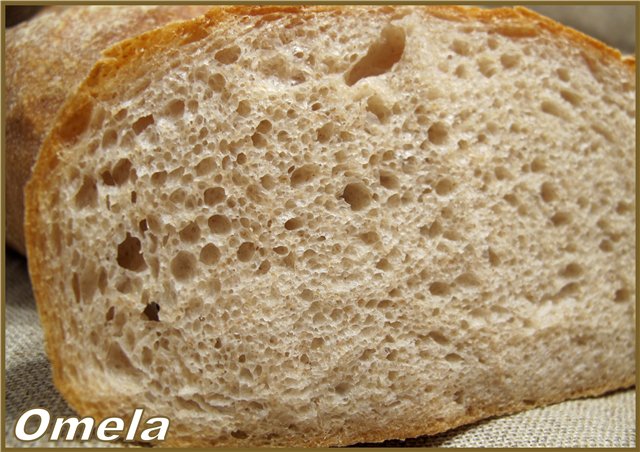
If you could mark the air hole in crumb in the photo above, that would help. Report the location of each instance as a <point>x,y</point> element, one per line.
<point>217,83</point>
<point>571,96</point>
<point>246,251</point>
<point>369,237</point>
<point>511,199</point>
<point>302,175</point>
<point>110,138</point>
<point>509,60</point>
<point>623,207</point>
<point>190,233</point>
<point>264,268</point>
<point>389,180</point>
<point>494,259</point>
<point>357,195</point>
<point>245,375</point>
<point>622,295</point>
<point>293,223</point>
<point>219,224</point>
<point>572,270</point>
<point>214,195</point>
<point>209,254</point>
<point>88,193</point>
<point>267,182</point>
<point>325,132</point>
<point>183,265</point>
<point>175,108</point>
<point>444,186</point>
<point>228,55</point>
<point>376,105</point>
<point>453,358</point>
<point>244,108</point>
<point>502,173</point>
<point>342,388</point>
<point>568,290</point>
<point>159,177</point>
<point>121,171</point>
<point>281,250</point>
<point>258,140</point>
<point>538,165</point>
<point>151,311</point>
<point>467,279</point>
<point>561,218</point>
<point>110,313</point>
<point>107,178</point>
<point>177,196</point>
<point>461,71</point>
<point>548,192</point>
<point>205,166</point>
<point>606,246</point>
<point>439,338</point>
<point>264,126</point>
<point>554,109</point>
<point>432,230</point>
<point>147,356</point>
<point>142,123</point>
<point>239,434</point>
<point>563,74</point>
<point>380,57</point>
<point>439,288</point>
<point>438,133</point>
<point>460,47</point>
<point>486,67</point>
<point>130,255</point>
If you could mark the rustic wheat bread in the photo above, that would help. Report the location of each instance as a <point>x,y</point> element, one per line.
<point>46,59</point>
<point>319,226</point>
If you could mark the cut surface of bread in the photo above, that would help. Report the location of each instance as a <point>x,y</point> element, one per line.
<point>47,58</point>
<point>320,226</point>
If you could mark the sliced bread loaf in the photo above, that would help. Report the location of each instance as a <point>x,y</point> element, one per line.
<point>325,225</point>
<point>46,59</point>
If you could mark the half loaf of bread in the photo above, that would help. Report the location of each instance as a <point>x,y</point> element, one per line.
<point>318,226</point>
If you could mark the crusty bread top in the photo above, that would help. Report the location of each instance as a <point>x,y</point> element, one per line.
<point>442,195</point>
<point>46,59</point>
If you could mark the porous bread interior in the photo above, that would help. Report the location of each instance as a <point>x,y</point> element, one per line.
<point>266,240</point>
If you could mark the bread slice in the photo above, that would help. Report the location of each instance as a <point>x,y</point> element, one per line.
<point>46,59</point>
<point>319,226</point>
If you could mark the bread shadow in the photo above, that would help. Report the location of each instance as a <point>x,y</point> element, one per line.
<point>19,293</point>
<point>428,440</point>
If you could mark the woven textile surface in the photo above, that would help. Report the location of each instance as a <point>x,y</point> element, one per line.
<point>607,421</point>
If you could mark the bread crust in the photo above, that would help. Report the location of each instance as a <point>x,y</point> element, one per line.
<point>43,72</point>
<point>516,23</point>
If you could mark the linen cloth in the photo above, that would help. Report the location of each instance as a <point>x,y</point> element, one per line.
<point>607,421</point>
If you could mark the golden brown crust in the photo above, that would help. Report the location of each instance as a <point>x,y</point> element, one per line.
<point>46,59</point>
<point>516,23</point>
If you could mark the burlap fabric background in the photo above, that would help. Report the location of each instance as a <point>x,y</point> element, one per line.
<point>607,421</point>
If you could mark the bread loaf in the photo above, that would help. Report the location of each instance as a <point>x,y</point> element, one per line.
<point>313,226</point>
<point>46,59</point>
